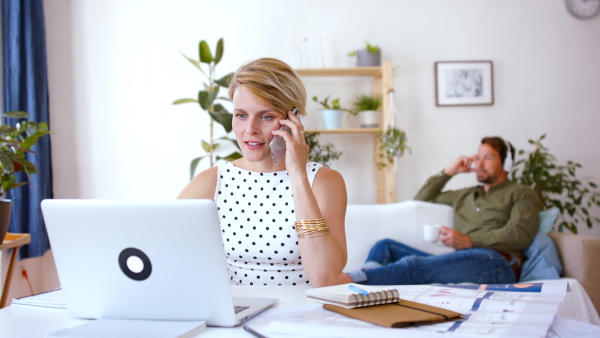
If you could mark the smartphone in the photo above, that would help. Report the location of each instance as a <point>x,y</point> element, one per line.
<point>278,143</point>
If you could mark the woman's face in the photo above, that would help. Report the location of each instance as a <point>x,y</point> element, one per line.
<point>253,124</point>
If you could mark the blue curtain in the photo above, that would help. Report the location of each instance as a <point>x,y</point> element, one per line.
<point>26,88</point>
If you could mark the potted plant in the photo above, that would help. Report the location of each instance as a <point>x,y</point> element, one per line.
<point>206,99</point>
<point>332,113</point>
<point>370,56</point>
<point>324,154</point>
<point>367,108</point>
<point>14,143</point>
<point>392,144</point>
<point>558,186</point>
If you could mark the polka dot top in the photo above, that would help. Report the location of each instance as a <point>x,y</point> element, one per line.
<point>256,213</point>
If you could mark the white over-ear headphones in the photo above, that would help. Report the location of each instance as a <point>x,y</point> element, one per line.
<point>508,160</point>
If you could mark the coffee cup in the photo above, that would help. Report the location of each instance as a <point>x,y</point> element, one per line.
<point>431,232</point>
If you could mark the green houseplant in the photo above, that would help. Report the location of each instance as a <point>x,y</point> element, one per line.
<point>392,144</point>
<point>14,143</point>
<point>370,56</point>
<point>324,154</point>
<point>557,186</point>
<point>366,106</point>
<point>206,99</point>
<point>331,114</point>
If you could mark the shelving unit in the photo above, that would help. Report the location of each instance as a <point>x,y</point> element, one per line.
<point>383,84</point>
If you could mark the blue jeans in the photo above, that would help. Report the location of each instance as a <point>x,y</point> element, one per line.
<point>402,265</point>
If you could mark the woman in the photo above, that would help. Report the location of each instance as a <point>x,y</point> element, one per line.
<point>282,224</point>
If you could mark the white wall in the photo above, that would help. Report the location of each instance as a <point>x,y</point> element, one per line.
<point>115,68</point>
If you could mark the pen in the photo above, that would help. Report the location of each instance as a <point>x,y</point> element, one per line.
<point>359,290</point>
<point>254,333</point>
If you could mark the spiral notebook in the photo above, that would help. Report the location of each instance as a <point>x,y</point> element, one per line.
<point>352,296</point>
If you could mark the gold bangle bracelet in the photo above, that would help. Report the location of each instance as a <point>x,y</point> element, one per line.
<point>311,228</point>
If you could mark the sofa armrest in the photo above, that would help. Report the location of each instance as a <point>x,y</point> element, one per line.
<point>579,256</point>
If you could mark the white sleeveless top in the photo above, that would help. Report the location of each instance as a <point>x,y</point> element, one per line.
<point>256,212</point>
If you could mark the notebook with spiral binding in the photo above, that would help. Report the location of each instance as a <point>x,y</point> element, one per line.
<point>352,296</point>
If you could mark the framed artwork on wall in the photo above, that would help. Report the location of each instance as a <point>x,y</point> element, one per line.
<point>464,83</point>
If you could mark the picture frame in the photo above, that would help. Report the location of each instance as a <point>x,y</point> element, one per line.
<point>464,83</point>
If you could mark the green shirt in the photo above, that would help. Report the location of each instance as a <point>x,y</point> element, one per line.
<point>506,218</point>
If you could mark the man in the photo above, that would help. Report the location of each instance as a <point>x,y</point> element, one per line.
<point>493,224</point>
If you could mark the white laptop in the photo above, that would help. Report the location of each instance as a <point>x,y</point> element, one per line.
<point>160,260</point>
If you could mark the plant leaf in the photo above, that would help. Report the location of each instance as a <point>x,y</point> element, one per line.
<point>16,114</point>
<point>204,51</point>
<point>219,52</point>
<point>186,100</point>
<point>224,81</point>
<point>194,165</point>
<point>222,117</point>
<point>231,157</point>
<point>206,98</point>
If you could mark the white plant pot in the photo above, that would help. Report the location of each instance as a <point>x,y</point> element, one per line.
<point>332,118</point>
<point>369,119</point>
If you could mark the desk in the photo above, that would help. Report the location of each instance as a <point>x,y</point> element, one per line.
<point>13,242</point>
<point>21,322</point>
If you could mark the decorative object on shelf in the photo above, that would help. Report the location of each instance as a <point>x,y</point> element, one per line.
<point>324,154</point>
<point>366,107</point>
<point>583,9</point>
<point>558,186</point>
<point>370,56</point>
<point>206,99</point>
<point>14,143</point>
<point>392,140</point>
<point>464,83</point>
<point>331,115</point>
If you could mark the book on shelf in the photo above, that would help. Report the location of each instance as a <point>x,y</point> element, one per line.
<point>54,299</point>
<point>353,295</point>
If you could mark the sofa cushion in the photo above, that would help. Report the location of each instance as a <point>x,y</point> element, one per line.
<point>543,260</point>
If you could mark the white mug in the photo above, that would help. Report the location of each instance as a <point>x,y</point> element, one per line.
<point>431,232</point>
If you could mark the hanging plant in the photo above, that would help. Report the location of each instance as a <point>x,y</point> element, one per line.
<point>206,99</point>
<point>392,144</point>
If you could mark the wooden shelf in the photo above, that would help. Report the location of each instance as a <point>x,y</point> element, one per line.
<point>383,84</point>
<point>355,71</point>
<point>345,131</point>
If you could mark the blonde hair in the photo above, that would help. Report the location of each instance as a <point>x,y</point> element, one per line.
<point>274,82</point>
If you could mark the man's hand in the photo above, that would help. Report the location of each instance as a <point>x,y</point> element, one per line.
<point>462,164</point>
<point>455,239</point>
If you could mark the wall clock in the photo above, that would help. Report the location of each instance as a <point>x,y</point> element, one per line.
<point>583,9</point>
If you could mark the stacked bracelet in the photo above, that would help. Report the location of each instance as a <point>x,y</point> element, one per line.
<point>311,228</point>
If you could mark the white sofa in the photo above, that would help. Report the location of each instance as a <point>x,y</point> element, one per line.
<point>368,223</point>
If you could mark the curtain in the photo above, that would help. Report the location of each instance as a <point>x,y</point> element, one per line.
<point>26,88</point>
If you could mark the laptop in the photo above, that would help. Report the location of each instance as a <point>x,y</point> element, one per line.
<point>153,260</point>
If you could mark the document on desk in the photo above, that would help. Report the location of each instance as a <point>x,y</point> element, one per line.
<point>54,299</point>
<point>524,311</point>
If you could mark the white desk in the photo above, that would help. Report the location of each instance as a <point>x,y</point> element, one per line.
<point>21,322</point>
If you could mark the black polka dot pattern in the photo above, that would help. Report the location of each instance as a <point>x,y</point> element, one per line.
<point>261,245</point>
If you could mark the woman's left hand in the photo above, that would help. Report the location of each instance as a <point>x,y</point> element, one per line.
<point>297,150</point>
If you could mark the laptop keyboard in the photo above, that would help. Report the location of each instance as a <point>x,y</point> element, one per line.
<point>239,308</point>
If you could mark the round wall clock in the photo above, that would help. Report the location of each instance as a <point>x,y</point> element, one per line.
<point>583,9</point>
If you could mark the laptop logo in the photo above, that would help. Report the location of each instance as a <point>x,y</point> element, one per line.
<point>135,264</point>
